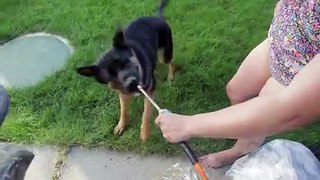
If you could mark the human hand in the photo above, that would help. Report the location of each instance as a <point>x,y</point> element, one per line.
<point>174,127</point>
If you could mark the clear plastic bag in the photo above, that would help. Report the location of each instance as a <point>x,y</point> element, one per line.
<point>275,160</point>
<point>278,159</point>
<point>177,172</point>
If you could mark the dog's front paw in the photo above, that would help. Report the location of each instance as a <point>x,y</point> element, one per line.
<point>170,77</point>
<point>119,129</point>
<point>144,137</point>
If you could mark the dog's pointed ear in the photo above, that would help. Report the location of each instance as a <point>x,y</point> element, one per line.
<point>119,39</point>
<point>88,71</point>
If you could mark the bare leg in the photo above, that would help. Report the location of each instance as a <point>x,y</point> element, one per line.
<point>252,78</point>
<point>242,146</point>
<point>249,80</point>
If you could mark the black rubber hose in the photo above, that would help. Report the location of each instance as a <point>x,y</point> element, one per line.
<point>189,152</point>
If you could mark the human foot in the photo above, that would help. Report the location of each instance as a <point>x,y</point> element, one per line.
<point>220,159</point>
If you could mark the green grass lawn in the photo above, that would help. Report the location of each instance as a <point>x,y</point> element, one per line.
<point>211,38</point>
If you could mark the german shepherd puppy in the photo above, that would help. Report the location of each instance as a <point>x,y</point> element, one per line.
<point>132,61</point>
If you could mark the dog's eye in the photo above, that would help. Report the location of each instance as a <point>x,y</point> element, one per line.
<point>123,65</point>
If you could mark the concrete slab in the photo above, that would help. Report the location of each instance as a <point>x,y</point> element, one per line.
<point>42,166</point>
<point>100,164</point>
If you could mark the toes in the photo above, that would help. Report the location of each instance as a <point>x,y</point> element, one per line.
<point>217,160</point>
<point>207,164</point>
<point>210,160</point>
<point>203,157</point>
<point>204,160</point>
<point>210,164</point>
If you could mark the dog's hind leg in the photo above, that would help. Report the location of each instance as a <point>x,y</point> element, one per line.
<point>123,121</point>
<point>168,58</point>
<point>160,54</point>
<point>145,130</point>
<point>171,71</point>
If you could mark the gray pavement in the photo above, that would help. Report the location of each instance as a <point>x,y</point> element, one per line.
<point>42,166</point>
<point>101,164</point>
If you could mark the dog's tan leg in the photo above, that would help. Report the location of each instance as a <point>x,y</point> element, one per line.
<point>171,71</point>
<point>123,121</point>
<point>145,126</point>
<point>160,55</point>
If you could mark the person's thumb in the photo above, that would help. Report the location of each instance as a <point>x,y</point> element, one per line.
<point>157,121</point>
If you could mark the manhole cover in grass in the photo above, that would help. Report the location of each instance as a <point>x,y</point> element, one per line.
<point>26,60</point>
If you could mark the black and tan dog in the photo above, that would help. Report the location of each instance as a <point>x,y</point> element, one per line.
<point>132,61</point>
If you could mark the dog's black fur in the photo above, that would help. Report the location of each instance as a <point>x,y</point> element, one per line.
<point>133,57</point>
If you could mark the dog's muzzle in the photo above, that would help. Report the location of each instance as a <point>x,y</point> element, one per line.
<point>132,85</point>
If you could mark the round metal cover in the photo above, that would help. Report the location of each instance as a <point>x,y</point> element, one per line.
<point>26,60</point>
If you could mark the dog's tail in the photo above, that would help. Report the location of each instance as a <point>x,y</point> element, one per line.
<point>163,4</point>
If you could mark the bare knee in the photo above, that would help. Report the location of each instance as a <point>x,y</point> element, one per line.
<point>234,93</point>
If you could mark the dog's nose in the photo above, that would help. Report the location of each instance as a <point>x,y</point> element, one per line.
<point>133,86</point>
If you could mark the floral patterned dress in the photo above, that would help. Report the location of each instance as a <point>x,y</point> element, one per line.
<point>294,37</point>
